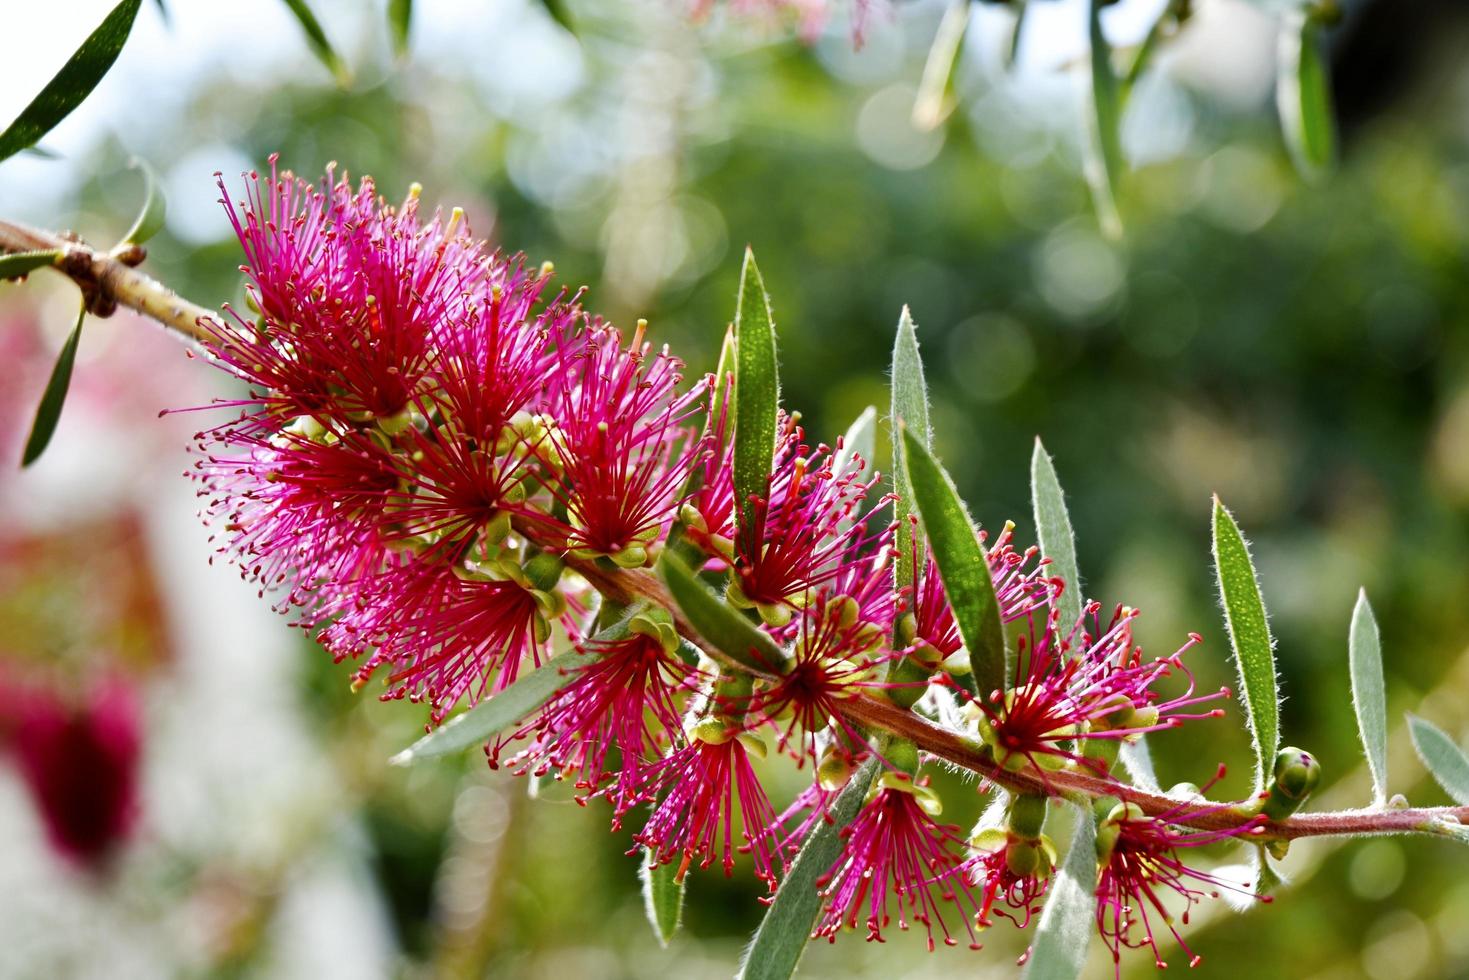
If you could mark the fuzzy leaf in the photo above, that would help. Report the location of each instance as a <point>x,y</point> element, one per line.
<point>782,936</point>
<point>1368,695</point>
<point>76,80</point>
<point>962,563</point>
<point>1303,96</point>
<point>150,219</point>
<point>662,895</point>
<point>1053,528</point>
<point>400,20</point>
<point>1102,149</point>
<point>1059,949</point>
<point>936,88</point>
<point>756,392</point>
<point>17,264</point>
<point>910,408</point>
<point>1139,762</point>
<point>1445,761</point>
<point>1249,635</point>
<point>719,623</point>
<point>317,40</point>
<point>48,413</point>
<point>860,441</point>
<point>513,704</point>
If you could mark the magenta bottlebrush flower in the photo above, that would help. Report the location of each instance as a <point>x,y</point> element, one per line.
<point>621,443</point>
<point>80,764</point>
<point>1084,687</point>
<point>897,858</point>
<point>1012,873</point>
<point>1141,863</point>
<point>694,820</point>
<point>622,699</point>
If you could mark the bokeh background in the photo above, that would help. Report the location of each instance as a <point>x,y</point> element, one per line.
<point>1299,350</point>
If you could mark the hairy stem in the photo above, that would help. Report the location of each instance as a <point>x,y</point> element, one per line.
<point>110,281</point>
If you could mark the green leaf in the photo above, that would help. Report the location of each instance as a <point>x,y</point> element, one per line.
<point>1446,762</point>
<point>719,623</point>
<point>317,40</point>
<point>936,88</point>
<point>400,20</point>
<point>513,704</point>
<point>860,441</point>
<point>150,219</point>
<point>662,895</point>
<point>1069,917</point>
<point>76,80</point>
<point>1139,762</point>
<point>756,393</point>
<point>1368,693</point>
<point>17,264</point>
<point>1053,528</point>
<point>1102,149</point>
<point>49,411</point>
<point>910,408</point>
<point>560,14</point>
<point>962,564</point>
<point>784,932</point>
<point>1303,96</point>
<point>1249,635</point>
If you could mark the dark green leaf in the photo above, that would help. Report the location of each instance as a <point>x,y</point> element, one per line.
<point>1103,147</point>
<point>1446,762</point>
<point>513,704</point>
<point>784,932</point>
<point>76,80</point>
<point>17,264</point>
<point>1303,96</point>
<point>49,412</point>
<point>1053,528</point>
<point>756,393</point>
<point>400,19</point>
<point>1069,916</point>
<point>1249,635</point>
<point>1369,695</point>
<point>150,218</point>
<point>910,408</point>
<point>316,38</point>
<point>962,564</point>
<point>720,624</point>
<point>560,14</point>
<point>662,895</point>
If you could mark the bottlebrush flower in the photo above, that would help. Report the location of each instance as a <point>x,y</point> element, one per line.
<point>1084,687</point>
<point>694,819</point>
<point>1010,871</point>
<point>622,698</point>
<point>620,443</point>
<point>80,764</point>
<point>1141,862</point>
<point>895,857</point>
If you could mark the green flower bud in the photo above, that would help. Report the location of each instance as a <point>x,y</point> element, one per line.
<point>1027,815</point>
<point>1297,774</point>
<point>833,771</point>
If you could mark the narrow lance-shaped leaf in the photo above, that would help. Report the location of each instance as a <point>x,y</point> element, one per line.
<point>662,895</point>
<point>910,408</point>
<point>1249,635</point>
<point>720,624</point>
<point>756,393</point>
<point>1303,96</point>
<point>511,705</point>
<point>400,20</point>
<point>1369,696</point>
<point>936,88</point>
<point>859,442</point>
<point>49,411</point>
<point>150,218</point>
<point>76,80</point>
<point>1059,949</point>
<point>17,264</point>
<point>1139,762</point>
<point>962,564</point>
<point>1053,527</point>
<point>1103,147</point>
<point>1445,761</point>
<point>317,40</point>
<point>786,929</point>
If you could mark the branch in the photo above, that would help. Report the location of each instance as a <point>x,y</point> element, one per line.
<point>109,280</point>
